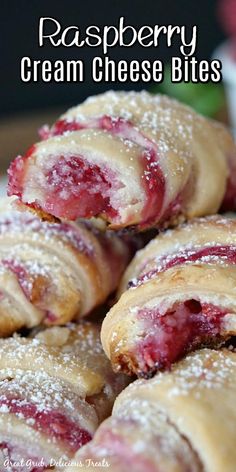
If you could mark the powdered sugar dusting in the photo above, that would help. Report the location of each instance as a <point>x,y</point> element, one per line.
<point>45,267</point>
<point>204,369</point>
<point>151,114</point>
<point>212,242</point>
<point>18,223</point>
<point>43,383</point>
<point>81,352</point>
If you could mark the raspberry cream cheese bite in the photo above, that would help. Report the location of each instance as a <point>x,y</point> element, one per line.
<point>178,295</point>
<point>132,159</point>
<point>55,389</point>
<point>52,273</point>
<point>180,421</point>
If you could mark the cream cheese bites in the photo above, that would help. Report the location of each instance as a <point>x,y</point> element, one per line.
<point>51,273</point>
<point>55,389</point>
<point>133,159</point>
<point>180,421</point>
<point>178,296</point>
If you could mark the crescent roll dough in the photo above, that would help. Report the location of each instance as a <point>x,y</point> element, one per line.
<point>55,389</point>
<point>179,293</point>
<point>179,421</point>
<point>133,159</point>
<point>51,273</point>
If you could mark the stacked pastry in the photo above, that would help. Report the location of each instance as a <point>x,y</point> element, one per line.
<point>55,388</point>
<point>178,294</point>
<point>179,421</point>
<point>133,159</point>
<point>51,273</point>
<point>131,162</point>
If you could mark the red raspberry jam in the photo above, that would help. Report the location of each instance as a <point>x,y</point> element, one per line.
<point>52,423</point>
<point>186,326</point>
<point>16,173</point>
<point>153,179</point>
<point>26,281</point>
<point>208,255</point>
<point>229,202</point>
<point>25,222</point>
<point>50,317</point>
<point>122,452</point>
<point>154,185</point>
<point>22,275</point>
<point>76,189</point>
<point>59,128</point>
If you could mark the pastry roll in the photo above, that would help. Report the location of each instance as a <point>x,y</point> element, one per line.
<point>180,296</point>
<point>179,421</point>
<point>55,389</point>
<point>132,159</point>
<point>51,273</point>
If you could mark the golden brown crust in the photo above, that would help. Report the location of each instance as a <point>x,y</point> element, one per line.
<point>72,353</point>
<point>200,232</point>
<point>192,153</point>
<point>192,150</point>
<point>164,277</point>
<point>51,273</point>
<point>55,389</point>
<point>179,421</point>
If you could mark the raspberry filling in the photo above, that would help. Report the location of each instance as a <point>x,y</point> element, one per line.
<point>75,189</point>
<point>50,317</point>
<point>52,423</point>
<point>186,326</point>
<point>153,179</point>
<point>27,281</point>
<point>229,202</point>
<point>209,255</point>
<point>122,453</point>
<point>16,173</point>
<point>68,232</point>
<point>154,185</point>
<point>74,236</point>
<point>21,274</point>
<point>115,440</point>
<point>59,128</point>
<point>78,189</point>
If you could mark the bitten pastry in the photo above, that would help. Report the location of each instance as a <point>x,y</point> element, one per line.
<point>182,421</point>
<point>51,273</point>
<point>55,389</point>
<point>133,159</point>
<point>181,295</point>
